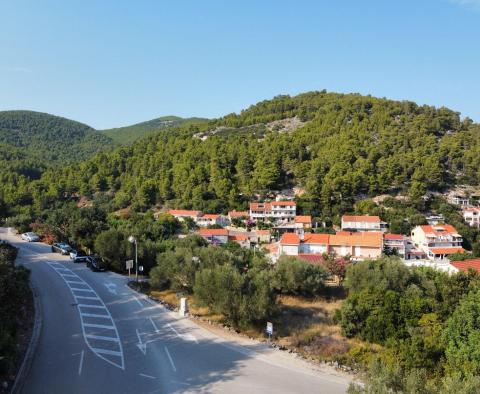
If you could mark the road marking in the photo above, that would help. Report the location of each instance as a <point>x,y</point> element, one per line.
<point>116,357</point>
<point>106,351</point>
<point>98,326</point>
<point>173,329</point>
<point>142,346</point>
<point>81,363</point>
<point>170,358</point>
<point>138,301</point>
<point>91,306</point>
<point>102,338</point>
<point>147,376</point>
<point>95,315</point>
<point>154,325</point>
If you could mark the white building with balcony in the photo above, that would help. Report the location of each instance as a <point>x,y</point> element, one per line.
<point>362,223</point>
<point>438,242</point>
<point>472,217</point>
<point>278,211</point>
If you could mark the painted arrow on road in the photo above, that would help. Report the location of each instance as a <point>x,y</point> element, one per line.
<point>111,287</point>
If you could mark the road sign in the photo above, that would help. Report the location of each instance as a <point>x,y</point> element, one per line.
<point>140,268</point>
<point>269,329</point>
<point>129,264</point>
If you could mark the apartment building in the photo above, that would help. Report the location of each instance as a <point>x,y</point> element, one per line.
<point>362,223</point>
<point>472,216</point>
<point>275,210</point>
<point>395,242</point>
<point>437,242</point>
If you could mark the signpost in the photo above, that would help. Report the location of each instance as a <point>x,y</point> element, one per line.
<point>269,330</point>
<point>140,268</point>
<point>129,265</point>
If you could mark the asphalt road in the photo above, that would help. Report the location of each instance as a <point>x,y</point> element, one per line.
<point>99,336</point>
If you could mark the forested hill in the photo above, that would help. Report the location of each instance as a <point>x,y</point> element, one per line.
<point>338,147</point>
<point>50,139</point>
<point>127,135</point>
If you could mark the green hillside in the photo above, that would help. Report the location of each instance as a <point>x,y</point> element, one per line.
<point>127,135</point>
<point>51,139</point>
<point>346,147</point>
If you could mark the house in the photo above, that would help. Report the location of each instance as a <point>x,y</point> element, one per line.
<point>394,242</point>
<point>214,235</point>
<point>182,214</point>
<point>263,236</point>
<point>242,240</point>
<point>466,265</point>
<point>459,199</point>
<point>275,210</point>
<point>304,221</point>
<point>237,215</point>
<point>472,216</point>
<point>359,245</point>
<point>433,220</point>
<point>437,242</point>
<point>209,219</point>
<point>362,223</point>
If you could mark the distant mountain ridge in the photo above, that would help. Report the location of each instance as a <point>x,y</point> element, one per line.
<point>129,134</point>
<point>51,138</point>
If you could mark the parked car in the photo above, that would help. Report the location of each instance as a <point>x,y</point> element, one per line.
<point>95,263</point>
<point>76,253</point>
<point>61,248</point>
<point>30,237</point>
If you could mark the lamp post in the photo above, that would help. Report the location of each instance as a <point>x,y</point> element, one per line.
<point>133,240</point>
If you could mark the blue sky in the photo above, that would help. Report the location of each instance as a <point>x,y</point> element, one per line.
<point>110,63</point>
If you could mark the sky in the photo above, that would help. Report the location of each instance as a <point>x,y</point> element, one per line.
<point>112,63</point>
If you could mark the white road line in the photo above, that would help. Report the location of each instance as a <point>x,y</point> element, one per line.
<point>188,337</point>
<point>91,306</point>
<point>81,363</point>
<point>98,326</point>
<point>120,362</point>
<point>154,325</point>
<point>95,315</point>
<point>75,282</point>
<point>147,376</point>
<point>170,358</point>
<point>173,329</point>
<point>138,301</point>
<point>102,338</point>
<point>107,351</point>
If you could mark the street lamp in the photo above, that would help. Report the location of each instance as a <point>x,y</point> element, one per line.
<point>133,240</point>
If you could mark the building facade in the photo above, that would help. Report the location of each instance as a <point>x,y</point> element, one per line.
<point>362,223</point>
<point>437,242</point>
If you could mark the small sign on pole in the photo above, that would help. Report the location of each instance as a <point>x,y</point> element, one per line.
<point>129,265</point>
<point>140,268</point>
<point>269,330</point>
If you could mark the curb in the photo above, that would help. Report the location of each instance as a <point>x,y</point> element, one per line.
<point>29,354</point>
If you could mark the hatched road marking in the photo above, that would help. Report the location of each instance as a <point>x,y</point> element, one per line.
<point>90,330</point>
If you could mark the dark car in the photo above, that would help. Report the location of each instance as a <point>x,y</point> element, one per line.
<point>61,248</point>
<point>95,263</point>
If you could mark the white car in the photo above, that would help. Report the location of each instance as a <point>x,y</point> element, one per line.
<point>30,237</point>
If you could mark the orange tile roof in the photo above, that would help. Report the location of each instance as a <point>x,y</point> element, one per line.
<point>365,218</point>
<point>466,265</point>
<point>210,216</point>
<point>271,248</point>
<point>447,250</point>
<point>310,238</point>
<point>290,239</point>
<point>208,232</point>
<point>284,203</point>
<point>183,212</point>
<point>439,229</point>
<point>238,237</point>
<point>260,206</point>
<point>394,237</point>
<point>262,232</point>
<point>358,239</point>
<point>303,219</point>
<point>312,258</point>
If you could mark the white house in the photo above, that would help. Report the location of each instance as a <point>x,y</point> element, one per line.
<point>472,216</point>
<point>362,223</point>
<point>208,219</point>
<point>276,210</point>
<point>438,242</point>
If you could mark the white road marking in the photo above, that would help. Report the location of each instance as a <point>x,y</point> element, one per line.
<point>102,338</point>
<point>173,329</point>
<point>81,363</point>
<point>147,376</point>
<point>170,358</point>
<point>142,346</point>
<point>117,355</point>
<point>154,325</point>
<point>188,337</point>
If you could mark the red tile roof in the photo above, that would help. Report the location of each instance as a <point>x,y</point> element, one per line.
<point>369,219</point>
<point>467,265</point>
<point>262,232</point>
<point>312,258</point>
<point>373,239</point>
<point>260,206</point>
<point>303,219</point>
<point>211,216</point>
<point>238,237</point>
<point>209,232</point>
<point>290,239</point>
<point>237,214</point>
<point>183,212</point>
